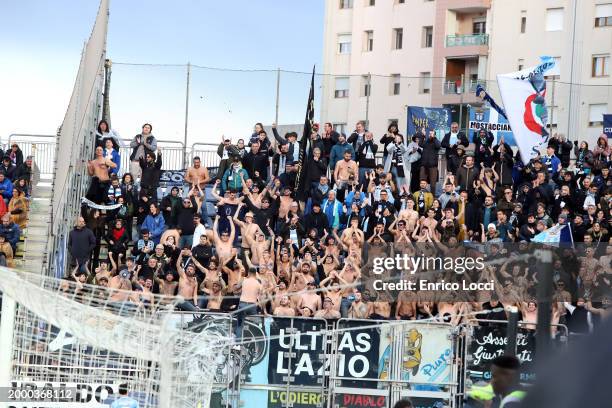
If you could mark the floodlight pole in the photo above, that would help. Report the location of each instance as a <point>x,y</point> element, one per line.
<point>185,161</point>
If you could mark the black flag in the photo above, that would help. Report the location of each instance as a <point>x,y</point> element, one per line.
<point>300,181</point>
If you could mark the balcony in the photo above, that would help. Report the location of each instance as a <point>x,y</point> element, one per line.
<point>454,86</point>
<point>468,40</point>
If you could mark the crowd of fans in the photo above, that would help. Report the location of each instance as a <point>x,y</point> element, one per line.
<point>15,188</point>
<point>270,249</point>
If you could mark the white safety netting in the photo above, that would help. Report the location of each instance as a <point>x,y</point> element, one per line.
<point>66,332</point>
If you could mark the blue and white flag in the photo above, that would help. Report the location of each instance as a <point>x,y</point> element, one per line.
<point>523,94</point>
<point>555,235</point>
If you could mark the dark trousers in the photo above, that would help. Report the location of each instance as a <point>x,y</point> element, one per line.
<point>430,174</point>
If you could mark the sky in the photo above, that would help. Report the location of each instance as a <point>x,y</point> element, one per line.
<point>41,43</point>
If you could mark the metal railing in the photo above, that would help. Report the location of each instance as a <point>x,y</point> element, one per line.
<point>464,40</point>
<point>44,147</point>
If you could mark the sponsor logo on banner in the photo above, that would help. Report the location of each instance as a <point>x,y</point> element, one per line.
<point>360,401</point>
<point>295,399</point>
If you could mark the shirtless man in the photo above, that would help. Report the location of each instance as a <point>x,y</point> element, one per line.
<point>121,292</point>
<point>99,166</point>
<point>409,214</point>
<point>344,169</point>
<point>249,298</point>
<point>309,299</point>
<point>285,203</point>
<point>379,310</point>
<point>301,278</point>
<point>215,296</point>
<point>529,311</point>
<point>224,243</point>
<point>347,234</point>
<point>333,287</point>
<point>197,175</point>
<point>248,228</point>
<point>188,285</point>
<point>358,309</point>
<point>167,286</point>
<point>260,245</point>
<point>230,197</point>
<point>328,311</point>
<point>406,306</point>
<point>284,308</point>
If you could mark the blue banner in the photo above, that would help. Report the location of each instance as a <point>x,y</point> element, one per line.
<point>438,119</point>
<point>490,120</point>
<point>607,125</point>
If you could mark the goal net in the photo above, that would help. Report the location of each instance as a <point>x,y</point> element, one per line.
<point>95,340</point>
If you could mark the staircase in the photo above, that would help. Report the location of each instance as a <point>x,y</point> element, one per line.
<point>32,249</point>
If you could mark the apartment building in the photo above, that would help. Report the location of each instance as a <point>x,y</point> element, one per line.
<point>383,55</point>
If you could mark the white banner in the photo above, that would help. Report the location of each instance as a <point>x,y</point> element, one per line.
<point>523,94</point>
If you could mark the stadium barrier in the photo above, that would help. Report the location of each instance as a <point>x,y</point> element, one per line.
<point>42,147</point>
<point>487,340</point>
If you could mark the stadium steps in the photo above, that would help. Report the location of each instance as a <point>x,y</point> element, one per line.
<point>31,250</point>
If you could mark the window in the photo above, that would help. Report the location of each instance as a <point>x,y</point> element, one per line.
<point>603,15</point>
<point>369,40</point>
<point>523,21</point>
<point>395,84</point>
<point>346,4</point>
<point>365,85</point>
<point>554,19</point>
<point>427,40</point>
<point>601,66</point>
<point>344,43</point>
<point>398,38</point>
<point>340,128</point>
<point>479,27</point>
<point>521,64</point>
<point>371,2</point>
<point>342,87</point>
<point>400,1</point>
<point>425,83</point>
<point>596,112</point>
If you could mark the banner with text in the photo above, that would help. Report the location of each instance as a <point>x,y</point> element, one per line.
<point>438,119</point>
<point>490,120</point>
<point>607,125</point>
<point>489,342</point>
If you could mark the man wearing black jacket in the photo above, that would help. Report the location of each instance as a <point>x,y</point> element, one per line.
<point>316,219</point>
<point>358,136</point>
<point>256,162</point>
<point>185,220</point>
<point>329,139</point>
<point>151,170</point>
<point>366,156</point>
<point>290,139</point>
<point>81,241</point>
<point>450,141</point>
<point>563,148</point>
<point>267,214</point>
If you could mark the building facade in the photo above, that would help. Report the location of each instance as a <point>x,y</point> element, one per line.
<point>384,55</point>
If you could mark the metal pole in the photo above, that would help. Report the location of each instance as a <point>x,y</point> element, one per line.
<point>278,74</point>
<point>461,101</point>
<point>571,92</point>
<point>367,115</point>
<point>512,331</point>
<point>552,108</point>
<point>185,161</point>
<point>544,295</point>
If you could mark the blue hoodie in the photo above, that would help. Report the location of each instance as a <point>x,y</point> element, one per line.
<point>156,226</point>
<point>7,188</point>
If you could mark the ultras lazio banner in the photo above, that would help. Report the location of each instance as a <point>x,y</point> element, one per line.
<point>490,120</point>
<point>438,119</point>
<point>299,353</point>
